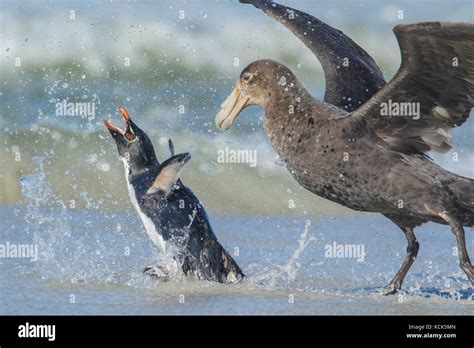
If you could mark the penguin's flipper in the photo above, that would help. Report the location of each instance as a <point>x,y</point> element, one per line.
<point>168,174</point>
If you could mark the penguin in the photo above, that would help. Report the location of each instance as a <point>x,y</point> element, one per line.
<point>173,217</point>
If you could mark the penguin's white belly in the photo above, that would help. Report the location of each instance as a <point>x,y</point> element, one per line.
<point>150,227</point>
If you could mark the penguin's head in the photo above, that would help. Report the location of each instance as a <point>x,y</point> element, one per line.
<point>134,146</point>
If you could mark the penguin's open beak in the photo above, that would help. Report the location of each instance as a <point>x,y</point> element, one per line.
<point>114,130</point>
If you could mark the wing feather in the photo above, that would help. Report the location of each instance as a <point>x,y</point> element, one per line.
<point>436,77</point>
<point>347,86</point>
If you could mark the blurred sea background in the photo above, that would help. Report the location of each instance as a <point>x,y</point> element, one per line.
<point>171,64</point>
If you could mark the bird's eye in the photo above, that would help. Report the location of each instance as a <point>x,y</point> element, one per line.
<point>246,77</point>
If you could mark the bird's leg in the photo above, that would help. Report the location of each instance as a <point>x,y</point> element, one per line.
<point>412,252</point>
<point>458,231</point>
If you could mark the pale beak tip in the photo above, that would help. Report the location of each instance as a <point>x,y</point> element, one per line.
<point>218,121</point>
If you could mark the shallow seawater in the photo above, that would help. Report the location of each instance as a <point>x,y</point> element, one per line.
<point>90,262</point>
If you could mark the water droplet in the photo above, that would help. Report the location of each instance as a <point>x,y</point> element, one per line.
<point>282,81</point>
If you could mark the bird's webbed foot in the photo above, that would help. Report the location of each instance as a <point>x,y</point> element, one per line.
<point>469,270</point>
<point>391,289</point>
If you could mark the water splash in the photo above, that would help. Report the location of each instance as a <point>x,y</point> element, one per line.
<point>81,251</point>
<point>61,253</point>
<point>288,271</point>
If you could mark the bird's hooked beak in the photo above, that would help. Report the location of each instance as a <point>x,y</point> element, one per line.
<point>231,108</point>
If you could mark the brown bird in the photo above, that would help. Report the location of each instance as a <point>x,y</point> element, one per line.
<point>374,159</point>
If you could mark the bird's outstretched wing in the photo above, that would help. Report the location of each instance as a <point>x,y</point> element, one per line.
<point>432,92</point>
<point>352,76</point>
